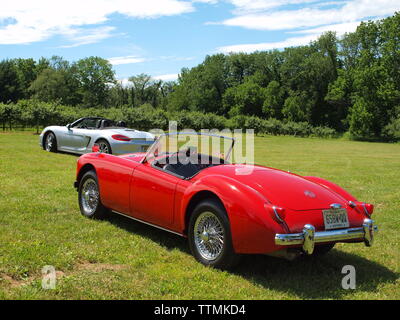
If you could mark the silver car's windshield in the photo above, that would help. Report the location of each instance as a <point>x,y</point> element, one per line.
<point>89,123</point>
<point>202,148</point>
<point>96,123</point>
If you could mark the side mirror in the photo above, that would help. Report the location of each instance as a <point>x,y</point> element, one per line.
<point>96,148</point>
<point>69,126</point>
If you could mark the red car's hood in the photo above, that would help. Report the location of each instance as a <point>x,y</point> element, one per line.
<point>282,188</point>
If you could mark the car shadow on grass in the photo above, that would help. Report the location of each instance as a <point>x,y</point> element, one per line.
<point>315,278</point>
<point>163,238</point>
<point>305,277</point>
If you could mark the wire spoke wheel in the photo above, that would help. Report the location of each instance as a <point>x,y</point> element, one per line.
<point>90,196</point>
<point>209,236</point>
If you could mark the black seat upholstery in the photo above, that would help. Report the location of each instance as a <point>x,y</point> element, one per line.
<point>121,124</point>
<point>184,170</point>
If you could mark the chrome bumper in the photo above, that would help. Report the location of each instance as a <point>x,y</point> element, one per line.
<point>309,237</point>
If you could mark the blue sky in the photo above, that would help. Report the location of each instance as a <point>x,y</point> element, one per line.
<point>159,37</point>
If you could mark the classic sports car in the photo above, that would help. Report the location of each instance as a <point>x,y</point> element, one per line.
<point>80,137</point>
<point>223,209</point>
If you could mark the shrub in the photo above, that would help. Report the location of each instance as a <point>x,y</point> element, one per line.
<point>40,114</point>
<point>391,132</point>
<point>323,132</point>
<point>255,123</point>
<point>144,118</point>
<point>197,120</point>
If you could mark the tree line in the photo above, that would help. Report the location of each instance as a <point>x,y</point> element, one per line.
<point>351,84</point>
<point>34,113</point>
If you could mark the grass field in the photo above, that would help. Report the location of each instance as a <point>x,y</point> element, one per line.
<point>40,225</point>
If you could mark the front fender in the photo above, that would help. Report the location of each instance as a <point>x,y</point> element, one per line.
<point>252,228</point>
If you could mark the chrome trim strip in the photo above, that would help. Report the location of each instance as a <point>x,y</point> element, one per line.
<point>352,204</point>
<point>364,233</point>
<point>365,210</point>
<point>280,219</point>
<point>148,223</point>
<point>277,215</point>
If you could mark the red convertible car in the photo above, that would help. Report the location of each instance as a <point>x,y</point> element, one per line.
<point>224,209</point>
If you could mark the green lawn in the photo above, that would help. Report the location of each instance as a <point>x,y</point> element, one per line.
<point>40,225</point>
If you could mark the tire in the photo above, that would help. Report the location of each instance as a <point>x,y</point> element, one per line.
<point>50,142</point>
<point>322,249</point>
<point>204,246</point>
<point>104,146</point>
<point>89,197</point>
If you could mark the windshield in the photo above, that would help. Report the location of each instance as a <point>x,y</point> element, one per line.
<point>196,148</point>
<point>95,123</point>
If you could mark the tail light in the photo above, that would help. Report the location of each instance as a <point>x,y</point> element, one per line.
<point>368,208</point>
<point>362,207</point>
<point>277,213</point>
<point>120,137</point>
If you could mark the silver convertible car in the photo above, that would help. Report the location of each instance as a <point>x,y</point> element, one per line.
<point>81,135</point>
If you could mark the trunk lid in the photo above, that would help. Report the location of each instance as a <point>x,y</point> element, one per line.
<point>133,134</point>
<point>284,189</point>
<point>291,191</point>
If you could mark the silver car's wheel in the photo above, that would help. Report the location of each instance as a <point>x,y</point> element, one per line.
<point>209,235</point>
<point>50,142</point>
<point>104,146</point>
<point>89,196</point>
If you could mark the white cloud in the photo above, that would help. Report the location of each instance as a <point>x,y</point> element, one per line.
<point>251,47</point>
<point>126,60</point>
<point>164,77</point>
<point>311,21</point>
<point>167,77</point>
<point>124,82</point>
<point>310,35</point>
<point>340,28</point>
<point>80,37</point>
<point>176,58</point>
<point>246,6</point>
<point>39,20</point>
<point>311,16</point>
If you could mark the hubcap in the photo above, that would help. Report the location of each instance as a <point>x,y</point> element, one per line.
<point>209,235</point>
<point>89,196</point>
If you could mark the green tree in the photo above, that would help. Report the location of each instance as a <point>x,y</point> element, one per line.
<point>50,85</point>
<point>9,114</point>
<point>94,75</point>
<point>202,88</point>
<point>37,113</point>
<point>247,98</point>
<point>145,90</point>
<point>10,85</point>
<point>361,119</point>
<point>27,73</point>
<point>297,107</point>
<point>274,99</point>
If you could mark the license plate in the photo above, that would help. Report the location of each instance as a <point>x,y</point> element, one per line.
<point>335,219</point>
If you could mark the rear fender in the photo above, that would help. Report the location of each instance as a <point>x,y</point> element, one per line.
<point>253,229</point>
